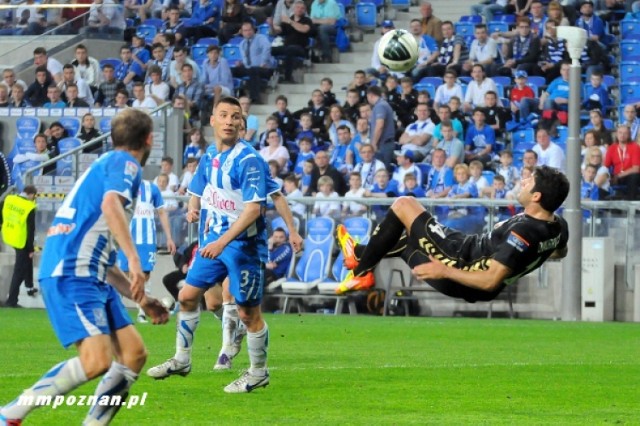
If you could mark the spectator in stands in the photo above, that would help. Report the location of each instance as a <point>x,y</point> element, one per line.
<point>55,101</point>
<point>191,89</point>
<point>4,96</point>
<point>444,115</point>
<point>496,115</point>
<point>362,133</point>
<point>88,131</point>
<point>526,173</point>
<point>280,253</point>
<point>523,51</point>
<point>56,132</point>
<point>368,166</point>
<point>377,68</point>
<point>196,147</point>
<point>554,52</point>
<point>157,89</point>
<point>537,19</point>
<point>382,128</point>
<point>487,10</point>
<point>283,8</point>
<point>141,100</point>
<point>326,208</point>
<point>252,121</point>
<point>623,157</point>
<point>407,101</point>
<point>128,71</point>
<point>275,151</point>
<point>595,157</point>
<point>185,7</point>
<point>417,136</point>
<point>71,95</point>
<point>475,172</point>
<point>412,187</point>
<point>519,92</point>
<point>591,139</point>
<point>549,153</point>
<point>594,58</point>
<point>141,53</point>
<point>591,23</point>
<point>452,54</point>
<point>406,164</point>
<point>556,97</point>
<point>483,51</point>
<point>328,97</point>
<point>286,122</point>
<point>529,159</point>
<point>160,59</point>
<point>105,17</point>
<point>319,116</point>
<point>596,123</point>
<point>40,155</point>
<point>479,139</point>
<point>306,131</point>
<point>308,167</point>
<point>216,77</point>
<point>507,170</point>
<point>140,9</point>
<point>342,156</point>
<point>53,66</point>
<point>334,121</point>
<point>352,208</point>
<point>466,219</point>
<point>166,168</point>
<point>477,88</point>
<point>257,62</point>
<point>596,95</point>
<point>431,25</point>
<point>107,89</point>
<point>121,99</point>
<point>360,84</point>
<point>440,177</point>
<point>205,14</point>
<point>383,187</point>
<point>324,15</point>
<point>181,57</point>
<point>87,68</point>
<point>555,13</point>
<point>588,188</point>
<point>17,98</point>
<point>455,105</point>
<point>448,89</point>
<point>296,30</point>
<point>9,80</point>
<point>350,106</point>
<point>271,123</point>
<point>232,16</point>
<point>69,77</point>
<point>323,168</point>
<point>292,190</point>
<point>174,25</point>
<point>190,167</point>
<point>451,145</point>
<point>631,120</point>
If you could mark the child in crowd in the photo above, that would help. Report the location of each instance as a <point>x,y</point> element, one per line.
<point>305,178</point>
<point>412,188</point>
<point>596,96</point>
<point>286,122</point>
<point>455,105</point>
<point>350,107</point>
<point>274,171</point>
<point>329,98</point>
<point>520,91</point>
<point>187,175</point>
<point>589,189</point>
<point>292,190</point>
<point>479,139</point>
<point>304,154</point>
<point>360,84</point>
<point>197,145</point>
<point>306,131</point>
<point>475,169</point>
<point>465,219</point>
<point>498,191</point>
<point>166,167</point>
<point>525,173</point>
<point>383,187</point>
<point>448,89</point>
<point>326,208</point>
<point>408,101</point>
<point>271,123</point>
<point>351,208</point>
<point>507,169</point>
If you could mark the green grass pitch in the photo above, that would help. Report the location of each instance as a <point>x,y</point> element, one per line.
<point>335,370</point>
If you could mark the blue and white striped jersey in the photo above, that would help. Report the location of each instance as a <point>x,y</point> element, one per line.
<point>79,242</point>
<point>143,222</point>
<point>225,182</point>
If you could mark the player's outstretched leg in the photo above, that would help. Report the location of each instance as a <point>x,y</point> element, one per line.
<point>384,238</point>
<point>347,246</point>
<point>187,323</point>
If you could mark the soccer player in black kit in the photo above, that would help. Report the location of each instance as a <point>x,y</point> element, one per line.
<point>470,267</point>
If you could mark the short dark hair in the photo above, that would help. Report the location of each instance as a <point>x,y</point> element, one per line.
<point>282,98</point>
<point>229,100</point>
<point>39,51</point>
<point>535,154</point>
<point>105,66</point>
<point>374,90</point>
<point>30,189</point>
<point>42,68</point>
<point>499,178</point>
<point>131,128</point>
<point>213,47</point>
<point>168,159</point>
<point>552,185</point>
<point>68,66</point>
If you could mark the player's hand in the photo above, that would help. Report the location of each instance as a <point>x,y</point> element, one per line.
<point>155,310</point>
<point>137,278</point>
<point>171,246</point>
<point>296,241</point>
<point>193,216</point>
<point>212,250</point>
<point>430,270</point>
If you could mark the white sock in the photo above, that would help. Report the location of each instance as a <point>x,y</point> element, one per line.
<point>116,381</point>
<point>187,324</point>
<point>257,344</point>
<point>59,380</point>
<point>230,320</point>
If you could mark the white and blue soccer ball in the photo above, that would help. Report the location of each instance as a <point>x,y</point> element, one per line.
<point>398,50</point>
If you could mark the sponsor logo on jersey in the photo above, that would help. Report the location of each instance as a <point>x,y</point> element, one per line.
<point>217,200</point>
<point>144,210</point>
<point>517,242</point>
<point>61,229</point>
<point>130,168</point>
<point>549,244</point>
<point>215,163</point>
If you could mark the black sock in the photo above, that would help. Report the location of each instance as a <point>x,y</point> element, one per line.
<point>383,239</point>
<point>358,249</point>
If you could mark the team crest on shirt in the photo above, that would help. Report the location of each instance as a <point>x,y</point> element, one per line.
<point>226,166</point>
<point>215,163</point>
<point>99,316</point>
<point>517,242</point>
<point>130,168</point>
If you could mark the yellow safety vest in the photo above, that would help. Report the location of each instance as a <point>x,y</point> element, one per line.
<point>14,220</point>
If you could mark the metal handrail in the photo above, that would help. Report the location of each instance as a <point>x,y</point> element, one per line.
<point>28,175</point>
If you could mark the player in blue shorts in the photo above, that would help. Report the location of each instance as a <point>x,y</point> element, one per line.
<point>236,245</point>
<point>79,280</point>
<point>143,231</point>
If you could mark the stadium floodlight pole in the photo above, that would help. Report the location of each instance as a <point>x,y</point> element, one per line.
<point>572,266</point>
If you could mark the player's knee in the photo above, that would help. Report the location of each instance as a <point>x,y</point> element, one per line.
<point>402,203</point>
<point>134,357</point>
<point>95,364</point>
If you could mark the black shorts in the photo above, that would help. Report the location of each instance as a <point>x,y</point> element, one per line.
<point>428,237</point>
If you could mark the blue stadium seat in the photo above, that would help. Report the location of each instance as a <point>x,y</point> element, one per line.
<point>27,127</point>
<point>629,28</point>
<point>473,19</point>
<point>522,136</point>
<point>64,166</point>
<point>497,27</point>
<point>236,40</point>
<point>609,81</point>
<point>508,19</point>
<point>105,125</point>
<point>430,88</point>
<point>72,124</point>
<point>147,32</point>
<point>629,48</point>
<point>208,41</point>
<point>366,15</point>
<point>503,80</point>
<point>232,54</point>
<point>436,81</point>
<point>403,5</point>
<point>488,175</point>
<point>537,80</point>
<point>156,22</point>
<point>465,29</point>
<point>431,43</point>
<point>535,88</point>
<point>263,29</point>
<point>199,53</point>
<point>314,265</point>
<point>629,92</point>
<point>278,222</point>
<point>500,90</point>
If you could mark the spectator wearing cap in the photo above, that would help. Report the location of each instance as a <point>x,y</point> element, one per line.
<point>406,164</point>
<point>296,30</point>
<point>324,15</point>
<point>377,68</point>
<point>417,136</point>
<point>216,76</point>
<point>431,24</point>
<point>519,92</point>
<point>553,52</point>
<point>257,62</point>
<point>479,140</point>
<point>382,126</point>
<point>523,51</point>
<point>591,23</point>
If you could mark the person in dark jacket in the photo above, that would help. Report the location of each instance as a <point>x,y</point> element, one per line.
<point>36,93</point>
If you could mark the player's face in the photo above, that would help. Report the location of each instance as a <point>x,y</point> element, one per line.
<point>526,185</point>
<point>225,122</point>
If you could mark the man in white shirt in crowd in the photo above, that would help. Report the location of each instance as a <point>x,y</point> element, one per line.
<point>549,154</point>
<point>141,100</point>
<point>417,136</point>
<point>477,88</point>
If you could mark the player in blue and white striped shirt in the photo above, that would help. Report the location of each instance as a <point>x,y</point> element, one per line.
<point>78,261</point>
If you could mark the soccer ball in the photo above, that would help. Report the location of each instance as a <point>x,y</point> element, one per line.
<point>168,302</point>
<point>398,50</point>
